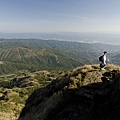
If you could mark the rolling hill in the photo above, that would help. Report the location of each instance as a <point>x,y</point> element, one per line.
<point>36,54</point>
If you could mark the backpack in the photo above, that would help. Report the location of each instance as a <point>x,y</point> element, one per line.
<point>101,58</point>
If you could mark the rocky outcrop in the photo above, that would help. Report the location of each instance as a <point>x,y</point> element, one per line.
<point>86,93</point>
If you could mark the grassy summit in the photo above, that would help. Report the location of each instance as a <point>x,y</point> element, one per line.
<point>85,93</point>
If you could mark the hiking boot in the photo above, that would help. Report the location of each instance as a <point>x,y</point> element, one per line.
<point>102,69</point>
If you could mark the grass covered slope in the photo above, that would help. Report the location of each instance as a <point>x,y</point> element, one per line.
<point>84,93</point>
<point>36,54</point>
<point>16,88</point>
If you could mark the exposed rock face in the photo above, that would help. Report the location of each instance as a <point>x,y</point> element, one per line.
<point>82,94</point>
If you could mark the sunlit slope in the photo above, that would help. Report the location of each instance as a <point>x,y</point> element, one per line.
<point>40,54</point>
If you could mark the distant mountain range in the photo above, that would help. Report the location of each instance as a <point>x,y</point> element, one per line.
<point>37,54</point>
<point>67,36</point>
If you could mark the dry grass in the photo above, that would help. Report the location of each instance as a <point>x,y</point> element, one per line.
<point>112,67</point>
<point>11,111</point>
<point>1,62</point>
<point>7,116</point>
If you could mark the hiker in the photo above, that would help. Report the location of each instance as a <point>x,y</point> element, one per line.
<point>103,60</point>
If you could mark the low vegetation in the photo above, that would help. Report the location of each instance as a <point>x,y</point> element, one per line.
<point>73,95</point>
<point>16,88</point>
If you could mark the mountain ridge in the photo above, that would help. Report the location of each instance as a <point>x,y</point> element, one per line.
<point>73,96</point>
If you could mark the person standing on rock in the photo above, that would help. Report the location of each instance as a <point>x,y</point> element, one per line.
<point>102,58</point>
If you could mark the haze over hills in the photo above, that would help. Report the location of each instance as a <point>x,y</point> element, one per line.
<point>106,38</point>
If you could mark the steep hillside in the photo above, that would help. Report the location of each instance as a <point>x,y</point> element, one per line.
<point>85,93</point>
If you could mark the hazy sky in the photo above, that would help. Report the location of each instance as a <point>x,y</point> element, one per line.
<point>60,15</point>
